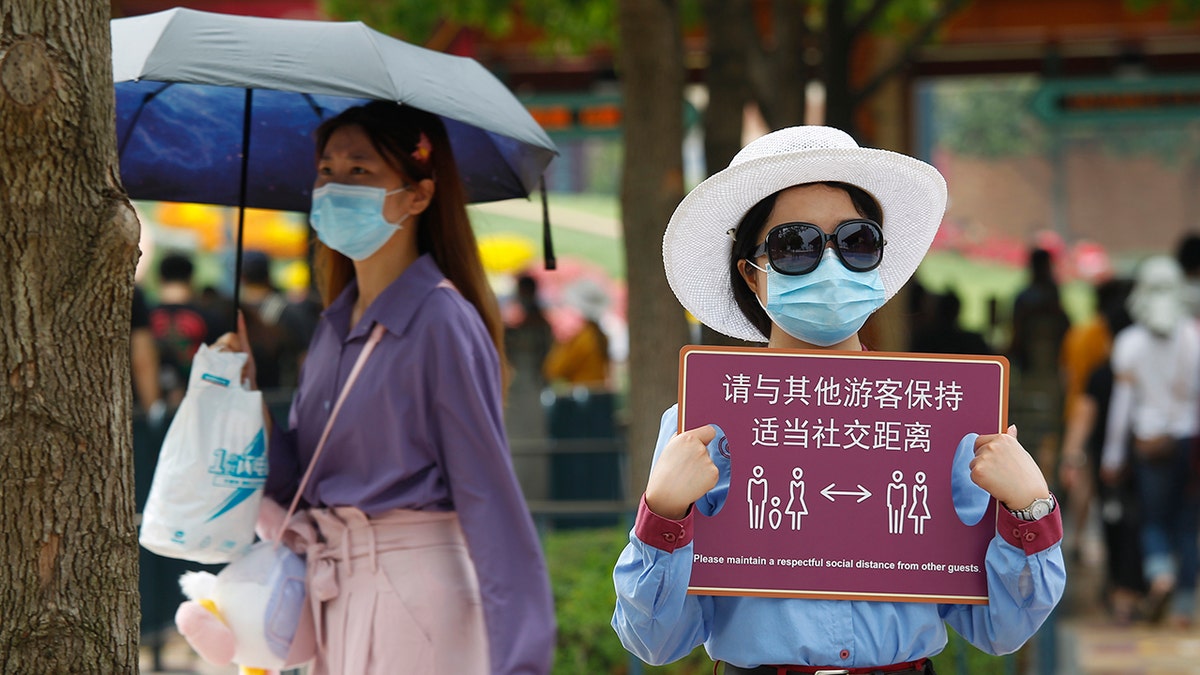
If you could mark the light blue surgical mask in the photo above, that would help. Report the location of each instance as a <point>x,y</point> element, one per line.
<point>349,218</point>
<point>825,306</point>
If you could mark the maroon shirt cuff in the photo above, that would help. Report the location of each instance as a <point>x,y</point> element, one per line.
<point>663,534</point>
<point>1030,536</point>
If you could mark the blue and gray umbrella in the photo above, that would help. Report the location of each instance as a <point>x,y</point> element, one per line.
<point>220,109</point>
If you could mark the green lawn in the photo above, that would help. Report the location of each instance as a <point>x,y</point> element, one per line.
<point>978,282</point>
<point>598,249</point>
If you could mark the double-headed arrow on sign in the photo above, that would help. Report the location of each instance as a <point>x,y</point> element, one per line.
<point>862,492</point>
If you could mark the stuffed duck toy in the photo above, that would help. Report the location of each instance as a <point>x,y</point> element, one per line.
<point>254,613</point>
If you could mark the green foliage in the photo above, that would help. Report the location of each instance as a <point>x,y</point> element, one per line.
<point>903,15</point>
<point>1173,145</point>
<point>987,117</point>
<point>570,26</point>
<point>905,12</point>
<point>1180,10</point>
<point>581,564</point>
<point>991,118</point>
<point>409,20</point>
<point>961,658</point>
<point>574,26</point>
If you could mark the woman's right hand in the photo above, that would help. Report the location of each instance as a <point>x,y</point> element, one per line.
<point>683,473</point>
<point>239,343</point>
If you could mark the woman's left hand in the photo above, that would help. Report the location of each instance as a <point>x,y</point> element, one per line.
<point>1006,470</point>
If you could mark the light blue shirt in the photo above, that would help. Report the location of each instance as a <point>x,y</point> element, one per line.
<point>659,622</point>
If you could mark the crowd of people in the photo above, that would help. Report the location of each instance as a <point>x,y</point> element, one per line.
<point>1114,402</point>
<point>581,358</point>
<point>171,321</point>
<point>1132,451</point>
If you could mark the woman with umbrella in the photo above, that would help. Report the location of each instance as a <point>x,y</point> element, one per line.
<point>425,557</point>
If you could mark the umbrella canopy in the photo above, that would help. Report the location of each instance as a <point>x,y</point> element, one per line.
<point>220,109</point>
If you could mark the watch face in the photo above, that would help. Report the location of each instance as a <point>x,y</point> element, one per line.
<point>1039,508</point>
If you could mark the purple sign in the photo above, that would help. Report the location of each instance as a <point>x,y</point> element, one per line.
<point>841,472</point>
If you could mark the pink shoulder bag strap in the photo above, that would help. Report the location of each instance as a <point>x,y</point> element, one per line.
<point>376,335</point>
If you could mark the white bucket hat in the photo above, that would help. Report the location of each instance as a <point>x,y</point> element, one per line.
<point>697,243</point>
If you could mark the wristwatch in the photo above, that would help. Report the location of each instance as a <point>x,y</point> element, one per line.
<point>1039,509</point>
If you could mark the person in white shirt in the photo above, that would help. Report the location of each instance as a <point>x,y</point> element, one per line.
<point>1151,428</point>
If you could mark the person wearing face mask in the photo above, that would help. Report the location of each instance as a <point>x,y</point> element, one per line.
<point>797,243</point>
<point>422,556</point>
<point>1152,425</point>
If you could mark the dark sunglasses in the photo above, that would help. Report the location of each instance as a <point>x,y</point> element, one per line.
<point>796,248</point>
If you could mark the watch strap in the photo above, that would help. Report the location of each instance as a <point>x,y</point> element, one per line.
<point>1028,513</point>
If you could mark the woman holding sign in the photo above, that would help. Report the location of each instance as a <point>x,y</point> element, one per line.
<point>797,243</point>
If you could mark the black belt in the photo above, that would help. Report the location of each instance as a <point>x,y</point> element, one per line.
<point>922,667</point>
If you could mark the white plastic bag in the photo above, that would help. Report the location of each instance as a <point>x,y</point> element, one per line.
<point>208,484</point>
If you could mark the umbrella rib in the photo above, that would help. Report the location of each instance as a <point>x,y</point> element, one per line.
<point>312,103</point>
<point>137,114</point>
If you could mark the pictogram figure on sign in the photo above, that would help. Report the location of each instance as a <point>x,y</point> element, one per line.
<point>897,503</point>
<point>796,506</point>
<point>920,504</point>
<point>776,516</point>
<point>756,494</point>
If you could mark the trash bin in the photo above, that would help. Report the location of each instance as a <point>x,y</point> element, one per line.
<point>585,453</point>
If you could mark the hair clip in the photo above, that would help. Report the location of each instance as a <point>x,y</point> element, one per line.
<point>423,150</point>
<point>732,232</point>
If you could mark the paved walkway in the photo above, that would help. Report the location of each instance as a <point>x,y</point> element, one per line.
<point>177,658</point>
<point>1096,647</point>
<point>1089,643</point>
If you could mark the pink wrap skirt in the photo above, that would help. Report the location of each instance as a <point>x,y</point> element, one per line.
<point>396,593</point>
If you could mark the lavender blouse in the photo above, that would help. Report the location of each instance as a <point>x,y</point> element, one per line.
<point>423,429</point>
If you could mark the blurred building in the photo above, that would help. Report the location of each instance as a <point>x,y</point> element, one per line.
<point>1097,127</point>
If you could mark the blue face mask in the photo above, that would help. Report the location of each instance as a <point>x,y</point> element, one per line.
<point>349,218</point>
<point>825,306</point>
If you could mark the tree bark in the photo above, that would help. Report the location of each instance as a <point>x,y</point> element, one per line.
<point>731,35</point>
<point>779,73</point>
<point>839,105</point>
<point>791,74</point>
<point>68,246</point>
<point>730,31</point>
<point>650,59</point>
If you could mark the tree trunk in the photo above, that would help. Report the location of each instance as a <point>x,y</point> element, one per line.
<point>839,45</point>
<point>730,29</point>
<point>779,73</point>
<point>789,65</point>
<point>650,59</point>
<point>68,246</point>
